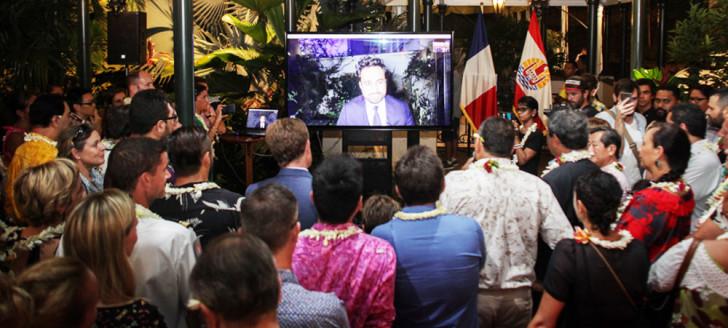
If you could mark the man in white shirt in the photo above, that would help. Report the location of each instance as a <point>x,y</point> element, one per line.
<point>513,208</point>
<point>629,124</point>
<point>604,144</point>
<point>165,251</point>
<point>703,172</point>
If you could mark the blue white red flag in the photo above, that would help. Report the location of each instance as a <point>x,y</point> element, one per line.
<point>478,98</point>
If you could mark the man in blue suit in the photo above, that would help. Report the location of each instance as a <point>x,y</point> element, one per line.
<point>287,139</point>
<point>374,107</point>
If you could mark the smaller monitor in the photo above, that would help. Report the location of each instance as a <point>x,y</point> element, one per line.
<point>259,119</point>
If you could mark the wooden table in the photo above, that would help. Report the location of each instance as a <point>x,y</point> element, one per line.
<point>248,143</point>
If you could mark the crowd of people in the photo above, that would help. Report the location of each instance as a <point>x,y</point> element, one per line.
<point>111,220</point>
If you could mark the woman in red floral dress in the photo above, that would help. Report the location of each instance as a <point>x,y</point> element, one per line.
<point>658,214</point>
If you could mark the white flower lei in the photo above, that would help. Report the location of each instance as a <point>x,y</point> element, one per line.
<point>329,235</point>
<point>439,210</point>
<point>145,213</point>
<point>196,190</point>
<point>500,164</point>
<point>673,186</point>
<point>715,200</point>
<point>570,157</point>
<point>45,235</point>
<point>32,136</point>
<point>711,146</point>
<point>621,243</point>
<point>531,129</point>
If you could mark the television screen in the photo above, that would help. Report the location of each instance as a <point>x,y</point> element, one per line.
<point>377,80</point>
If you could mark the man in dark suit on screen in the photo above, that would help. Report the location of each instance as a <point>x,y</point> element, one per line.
<point>374,107</point>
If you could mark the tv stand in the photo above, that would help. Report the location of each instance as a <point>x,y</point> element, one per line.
<point>373,148</point>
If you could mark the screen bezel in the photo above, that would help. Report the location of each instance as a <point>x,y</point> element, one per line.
<point>451,34</point>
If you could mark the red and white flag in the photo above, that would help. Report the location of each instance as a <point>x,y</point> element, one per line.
<point>478,98</point>
<point>533,77</point>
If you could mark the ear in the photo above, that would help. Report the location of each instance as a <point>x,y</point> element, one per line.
<point>74,154</point>
<point>479,149</point>
<point>210,318</point>
<point>359,205</point>
<point>580,207</point>
<point>443,185</point>
<point>612,149</point>
<point>396,192</point>
<point>684,127</point>
<point>207,159</point>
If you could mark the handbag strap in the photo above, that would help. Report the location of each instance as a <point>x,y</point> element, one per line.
<point>630,142</point>
<point>614,275</point>
<point>685,264</point>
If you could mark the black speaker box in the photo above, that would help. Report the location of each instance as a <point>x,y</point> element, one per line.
<point>127,41</point>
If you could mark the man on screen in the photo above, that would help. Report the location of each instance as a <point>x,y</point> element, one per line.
<point>374,107</point>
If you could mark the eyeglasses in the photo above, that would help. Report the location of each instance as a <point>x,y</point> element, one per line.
<point>173,118</point>
<point>696,99</point>
<point>81,134</point>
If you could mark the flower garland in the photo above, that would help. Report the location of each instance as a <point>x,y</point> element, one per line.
<point>32,136</point>
<point>570,157</point>
<point>673,186</point>
<point>583,236</point>
<point>196,190</point>
<point>12,240</point>
<point>715,200</point>
<point>145,213</point>
<point>618,166</point>
<point>492,165</point>
<point>531,129</point>
<point>712,147</point>
<point>330,235</point>
<point>439,210</point>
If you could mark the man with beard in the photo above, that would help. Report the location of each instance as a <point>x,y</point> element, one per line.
<point>714,114</point>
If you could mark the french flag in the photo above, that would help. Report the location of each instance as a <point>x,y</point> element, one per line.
<point>533,77</point>
<point>478,98</point>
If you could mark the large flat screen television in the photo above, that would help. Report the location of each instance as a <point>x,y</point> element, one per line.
<point>372,80</point>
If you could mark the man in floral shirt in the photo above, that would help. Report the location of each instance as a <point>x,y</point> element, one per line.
<point>337,256</point>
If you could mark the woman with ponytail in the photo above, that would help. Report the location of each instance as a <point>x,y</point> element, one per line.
<point>597,279</point>
<point>659,212</point>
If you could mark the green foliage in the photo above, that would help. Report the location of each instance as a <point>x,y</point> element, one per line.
<point>38,43</point>
<point>700,41</point>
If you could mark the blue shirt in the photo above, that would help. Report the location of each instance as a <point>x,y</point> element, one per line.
<point>298,181</point>
<point>438,268</point>
<point>304,308</point>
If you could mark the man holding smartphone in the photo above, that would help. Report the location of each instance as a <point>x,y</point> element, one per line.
<point>631,125</point>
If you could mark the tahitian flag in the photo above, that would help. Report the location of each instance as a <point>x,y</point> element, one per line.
<point>533,77</point>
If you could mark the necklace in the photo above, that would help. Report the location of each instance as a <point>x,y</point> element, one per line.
<point>439,210</point>
<point>715,201</point>
<point>672,186</point>
<point>32,136</point>
<point>531,129</point>
<point>330,235</point>
<point>145,213</point>
<point>570,157</point>
<point>618,166</point>
<point>493,164</point>
<point>195,191</point>
<point>583,236</point>
<point>712,147</point>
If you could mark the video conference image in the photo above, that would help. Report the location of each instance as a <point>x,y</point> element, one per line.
<point>373,80</point>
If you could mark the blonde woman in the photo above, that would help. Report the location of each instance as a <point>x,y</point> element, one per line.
<point>44,194</point>
<point>64,293</point>
<point>101,232</point>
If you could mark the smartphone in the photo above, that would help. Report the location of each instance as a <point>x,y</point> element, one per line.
<point>229,109</point>
<point>625,95</point>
